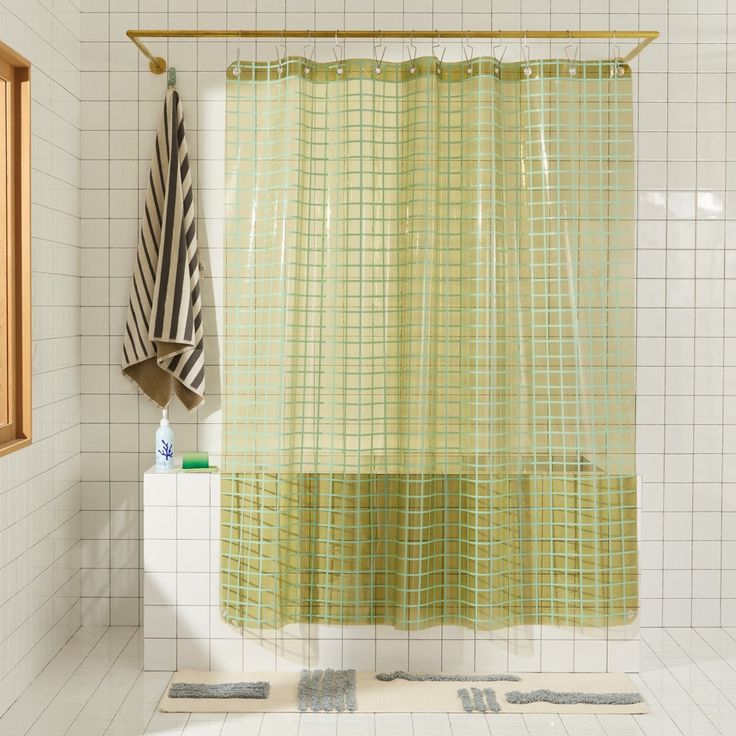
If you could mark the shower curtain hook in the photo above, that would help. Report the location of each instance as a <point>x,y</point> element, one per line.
<point>525,54</point>
<point>412,57</point>
<point>340,61</point>
<point>571,60</point>
<point>236,70</point>
<point>281,58</point>
<point>378,62</point>
<point>617,69</point>
<point>468,57</point>
<point>438,62</point>
<point>310,58</point>
<point>503,53</point>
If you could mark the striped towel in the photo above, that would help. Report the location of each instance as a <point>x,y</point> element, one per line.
<point>163,340</point>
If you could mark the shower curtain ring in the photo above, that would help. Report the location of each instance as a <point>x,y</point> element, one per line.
<point>525,54</point>
<point>468,56</point>
<point>438,62</point>
<point>571,59</point>
<point>617,69</point>
<point>412,57</point>
<point>236,70</point>
<point>498,60</point>
<point>310,58</point>
<point>281,58</point>
<point>341,60</point>
<point>378,62</point>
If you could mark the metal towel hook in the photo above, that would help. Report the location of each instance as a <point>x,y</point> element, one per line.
<point>412,57</point>
<point>341,60</point>
<point>378,62</point>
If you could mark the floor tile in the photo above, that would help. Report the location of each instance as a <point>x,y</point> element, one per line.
<point>95,687</point>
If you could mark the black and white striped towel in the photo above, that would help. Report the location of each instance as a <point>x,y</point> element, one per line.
<point>163,340</point>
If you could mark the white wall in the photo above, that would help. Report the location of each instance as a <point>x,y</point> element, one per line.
<point>40,484</point>
<point>687,344</point>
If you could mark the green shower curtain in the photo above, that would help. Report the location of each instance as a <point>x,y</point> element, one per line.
<point>429,353</point>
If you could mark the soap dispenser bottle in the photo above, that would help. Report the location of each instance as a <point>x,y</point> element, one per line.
<point>165,443</point>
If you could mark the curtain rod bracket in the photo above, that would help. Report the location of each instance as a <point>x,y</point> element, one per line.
<point>157,65</point>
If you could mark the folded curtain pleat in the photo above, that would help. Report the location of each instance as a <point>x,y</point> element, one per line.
<point>163,341</point>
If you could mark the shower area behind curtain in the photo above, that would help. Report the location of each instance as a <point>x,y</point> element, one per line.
<point>429,356</point>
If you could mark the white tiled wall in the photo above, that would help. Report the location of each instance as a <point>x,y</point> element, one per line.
<point>182,626</point>
<point>687,272</point>
<point>40,484</point>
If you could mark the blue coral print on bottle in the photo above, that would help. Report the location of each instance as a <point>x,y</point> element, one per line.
<point>164,443</point>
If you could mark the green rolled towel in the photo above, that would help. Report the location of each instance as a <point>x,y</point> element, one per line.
<point>194,460</point>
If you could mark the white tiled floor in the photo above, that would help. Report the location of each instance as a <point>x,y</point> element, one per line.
<point>95,686</point>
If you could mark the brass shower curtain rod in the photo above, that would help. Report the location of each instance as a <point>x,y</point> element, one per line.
<point>157,64</point>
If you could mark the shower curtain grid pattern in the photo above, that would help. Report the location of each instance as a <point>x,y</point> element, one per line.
<point>429,348</point>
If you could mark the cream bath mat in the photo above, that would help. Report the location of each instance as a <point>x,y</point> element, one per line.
<point>406,696</point>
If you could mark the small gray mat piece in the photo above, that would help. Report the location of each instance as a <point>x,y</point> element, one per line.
<point>351,699</point>
<point>465,700</point>
<point>327,691</point>
<point>478,701</point>
<point>572,698</point>
<point>491,700</point>
<point>316,695</point>
<point>444,677</point>
<point>304,691</point>
<point>345,691</point>
<point>258,690</point>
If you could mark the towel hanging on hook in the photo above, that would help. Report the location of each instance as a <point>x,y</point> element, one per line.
<point>163,342</point>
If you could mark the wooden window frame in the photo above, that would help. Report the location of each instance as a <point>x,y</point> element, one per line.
<point>15,208</point>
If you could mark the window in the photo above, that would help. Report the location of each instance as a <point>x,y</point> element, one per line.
<point>15,252</point>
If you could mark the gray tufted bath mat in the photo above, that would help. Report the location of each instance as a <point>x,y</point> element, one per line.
<point>328,690</point>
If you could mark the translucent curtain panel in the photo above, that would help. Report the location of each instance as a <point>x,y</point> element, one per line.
<point>429,353</point>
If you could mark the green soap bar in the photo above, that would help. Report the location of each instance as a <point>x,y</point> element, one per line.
<point>195,460</point>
